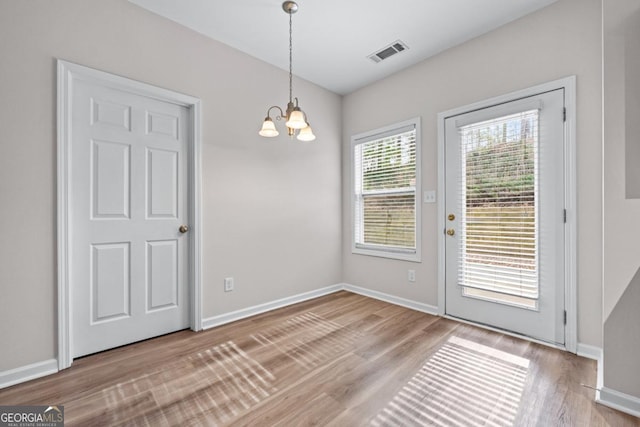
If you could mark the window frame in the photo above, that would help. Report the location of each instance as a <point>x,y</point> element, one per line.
<point>382,250</point>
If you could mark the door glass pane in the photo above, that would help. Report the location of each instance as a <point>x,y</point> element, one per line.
<point>499,188</point>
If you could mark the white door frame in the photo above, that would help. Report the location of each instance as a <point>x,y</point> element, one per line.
<point>68,73</point>
<point>570,252</point>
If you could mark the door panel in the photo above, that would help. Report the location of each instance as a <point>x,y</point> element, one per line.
<point>110,179</point>
<point>162,183</point>
<point>110,281</point>
<point>109,113</point>
<point>128,172</point>
<point>505,216</point>
<point>162,274</point>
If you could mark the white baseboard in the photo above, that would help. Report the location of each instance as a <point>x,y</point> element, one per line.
<point>425,308</point>
<point>28,372</point>
<point>594,353</point>
<point>620,401</point>
<point>261,308</point>
<point>48,367</point>
<point>222,319</point>
<point>604,395</point>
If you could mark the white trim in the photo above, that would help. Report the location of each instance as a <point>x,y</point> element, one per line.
<point>64,131</point>
<point>440,230</point>
<point>599,376</point>
<point>233,316</point>
<point>620,401</point>
<point>28,372</point>
<point>569,86</point>
<point>195,215</point>
<point>606,396</point>
<point>571,205</point>
<point>369,136</point>
<point>418,306</point>
<point>589,351</point>
<point>67,73</point>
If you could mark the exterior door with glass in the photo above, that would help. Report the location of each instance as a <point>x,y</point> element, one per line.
<point>504,191</point>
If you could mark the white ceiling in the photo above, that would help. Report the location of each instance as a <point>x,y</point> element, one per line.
<point>333,38</point>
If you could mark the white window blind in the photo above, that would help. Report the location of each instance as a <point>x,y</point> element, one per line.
<point>499,187</point>
<point>385,191</point>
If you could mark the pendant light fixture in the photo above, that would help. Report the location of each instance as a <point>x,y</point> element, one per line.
<point>295,119</point>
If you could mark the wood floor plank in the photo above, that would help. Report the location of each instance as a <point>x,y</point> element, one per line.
<point>340,360</point>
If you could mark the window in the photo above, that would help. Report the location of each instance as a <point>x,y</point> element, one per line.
<point>385,167</point>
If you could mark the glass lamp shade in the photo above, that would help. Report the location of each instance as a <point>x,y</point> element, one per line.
<point>306,134</point>
<point>296,119</point>
<point>268,129</point>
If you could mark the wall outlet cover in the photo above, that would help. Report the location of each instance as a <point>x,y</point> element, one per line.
<point>228,284</point>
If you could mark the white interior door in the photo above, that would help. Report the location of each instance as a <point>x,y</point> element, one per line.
<point>504,256</point>
<point>129,198</point>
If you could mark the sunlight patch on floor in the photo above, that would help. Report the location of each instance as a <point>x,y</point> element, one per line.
<point>308,339</point>
<point>221,382</point>
<point>463,384</point>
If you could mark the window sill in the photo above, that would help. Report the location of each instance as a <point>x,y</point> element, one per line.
<point>400,256</point>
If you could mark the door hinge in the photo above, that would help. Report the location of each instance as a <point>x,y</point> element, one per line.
<point>564,216</point>
<point>564,114</point>
<point>565,317</point>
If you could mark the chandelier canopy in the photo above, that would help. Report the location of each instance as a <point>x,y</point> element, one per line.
<point>295,119</point>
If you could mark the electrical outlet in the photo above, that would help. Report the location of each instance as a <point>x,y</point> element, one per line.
<point>411,275</point>
<point>228,284</point>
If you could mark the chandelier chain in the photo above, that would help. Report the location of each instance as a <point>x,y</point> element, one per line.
<point>295,119</point>
<point>290,59</point>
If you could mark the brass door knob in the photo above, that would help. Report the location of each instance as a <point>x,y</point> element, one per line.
<point>451,217</point>
<point>183,228</point>
<point>451,232</point>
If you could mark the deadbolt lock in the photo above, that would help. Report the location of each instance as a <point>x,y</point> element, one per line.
<point>451,217</point>
<point>451,232</point>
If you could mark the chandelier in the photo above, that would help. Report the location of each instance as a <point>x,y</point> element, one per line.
<point>295,119</point>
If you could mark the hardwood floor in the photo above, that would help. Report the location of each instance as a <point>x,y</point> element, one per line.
<point>339,360</point>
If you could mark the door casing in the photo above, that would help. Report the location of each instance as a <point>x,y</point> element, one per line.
<point>570,250</point>
<point>67,73</point>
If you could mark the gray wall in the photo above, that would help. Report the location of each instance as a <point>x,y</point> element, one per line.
<point>622,342</point>
<point>621,266</point>
<point>560,40</point>
<point>271,208</point>
<point>632,103</point>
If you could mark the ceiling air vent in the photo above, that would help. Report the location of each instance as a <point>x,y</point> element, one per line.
<point>388,51</point>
